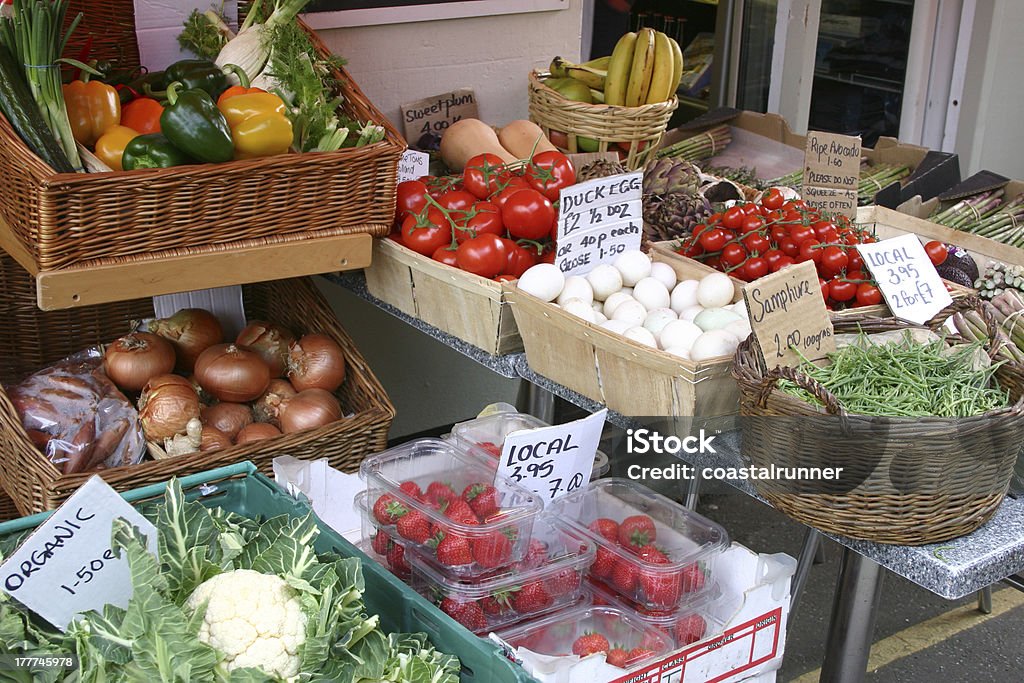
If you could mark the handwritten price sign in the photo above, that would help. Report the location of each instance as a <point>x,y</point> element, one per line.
<point>598,220</point>
<point>908,280</point>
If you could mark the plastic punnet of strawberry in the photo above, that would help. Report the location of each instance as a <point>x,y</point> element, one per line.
<point>650,550</point>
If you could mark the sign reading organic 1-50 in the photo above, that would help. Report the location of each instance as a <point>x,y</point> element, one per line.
<point>598,220</point>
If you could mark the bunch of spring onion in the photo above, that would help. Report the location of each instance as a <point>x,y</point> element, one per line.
<point>700,147</point>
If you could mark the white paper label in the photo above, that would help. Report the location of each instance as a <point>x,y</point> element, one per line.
<point>909,282</point>
<point>598,220</point>
<point>553,461</point>
<point>413,165</point>
<point>67,566</point>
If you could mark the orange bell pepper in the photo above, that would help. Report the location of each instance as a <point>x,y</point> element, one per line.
<point>92,107</point>
<point>142,115</point>
<point>236,90</point>
<point>110,146</point>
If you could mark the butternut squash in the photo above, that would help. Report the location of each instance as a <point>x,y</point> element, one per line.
<point>520,136</point>
<point>466,138</point>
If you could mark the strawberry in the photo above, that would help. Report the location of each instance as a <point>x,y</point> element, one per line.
<point>453,550</point>
<point>414,526</point>
<point>497,604</point>
<point>617,657</point>
<point>439,492</point>
<point>380,543</point>
<point>661,588</point>
<point>387,510</point>
<point>396,560</point>
<point>492,449</point>
<point>608,528</point>
<point>604,563</point>
<point>690,629</point>
<point>482,498</point>
<point>589,643</point>
<point>494,549</point>
<point>637,531</point>
<point>652,554</point>
<point>412,489</point>
<point>624,576</point>
<point>636,654</point>
<point>693,578</point>
<point>469,614</point>
<point>562,583</point>
<point>536,555</point>
<point>532,597</point>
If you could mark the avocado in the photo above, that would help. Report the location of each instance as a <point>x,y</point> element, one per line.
<point>958,259</point>
<point>954,274</point>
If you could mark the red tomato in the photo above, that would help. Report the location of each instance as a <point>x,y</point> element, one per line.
<point>937,252</point>
<point>856,261</point>
<point>691,250</point>
<point>733,254</point>
<point>772,199</point>
<point>777,233</point>
<point>750,209</point>
<point>809,251</point>
<point>733,218</point>
<point>754,268</point>
<point>426,231</point>
<point>824,286</point>
<point>772,256</point>
<point>825,232</point>
<point>519,260</point>
<point>868,295</point>
<point>855,275</point>
<point>752,223</point>
<point>482,217</point>
<point>438,186</point>
<point>548,255</point>
<point>483,255</point>
<point>713,240</point>
<point>800,233</point>
<point>456,200</point>
<point>412,197</point>
<point>528,214</point>
<point>482,174</point>
<point>782,262</point>
<point>756,243</point>
<point>833,259</point>
<point>507,188</point>
<point>445,255</point>
<point>548,172</point>
<point>713,261</point>
<point>841,290</point>
<point>789,247</point>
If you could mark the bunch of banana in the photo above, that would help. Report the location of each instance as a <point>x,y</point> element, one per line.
<point>579,82</point>
<point>645,68</point>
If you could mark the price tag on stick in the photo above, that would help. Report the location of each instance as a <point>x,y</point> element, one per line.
<point>553,461</point>
<point>788,316</point>
<point>831,172</point>
<point>598,220</point>
<point>66,566</point>
<point>909,282</point>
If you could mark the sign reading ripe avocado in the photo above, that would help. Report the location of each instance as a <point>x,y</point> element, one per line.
<point>430,117</point>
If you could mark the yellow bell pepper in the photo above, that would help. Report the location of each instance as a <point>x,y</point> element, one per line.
<point>110,146</point>
<point>93,107</point>
<point>259,127</point>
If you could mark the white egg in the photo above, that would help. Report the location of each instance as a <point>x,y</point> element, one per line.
<point>544,281</point>
<point>665,273</point>
<point>632,312</point>
<point>605,280</point>
<point>679,333</point>
<point>739,328</point>
<point>576,287</point>
<point>616,326</point>
<point>715,318</point>
<point>740,308</point>
<point>627,290</point>
<point>633,265</point>
<point>681,351</point>
<point>715,290</point>
<point>641,335</point>
<point>651,293</point>
<point>581,309</point>
<point>684,295</point>
<point>613,302</point>
<point>691,312</point>
<point>713,344</point>
<point>658,318</point>
<point>599,317</point>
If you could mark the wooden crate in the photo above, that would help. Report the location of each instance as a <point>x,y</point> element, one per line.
<point>464,305</point>
<point>628,377</point>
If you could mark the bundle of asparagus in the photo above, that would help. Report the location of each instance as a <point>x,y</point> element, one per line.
<point>1009,307</point>
<point>874,178</point>
<point>744,175</point>
<point>700,147</point>
<point>988,215</point>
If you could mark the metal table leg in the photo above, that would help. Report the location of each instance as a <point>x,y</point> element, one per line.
<point>985,600</point>
<point>692,494</point>
<point>540,403</point>
<point>812,541</point>
<point>848,644</point>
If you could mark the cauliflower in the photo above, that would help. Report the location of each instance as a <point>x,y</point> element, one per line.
<point>254,619</point>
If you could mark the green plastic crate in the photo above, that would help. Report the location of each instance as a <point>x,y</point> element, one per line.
<point>243,490</point>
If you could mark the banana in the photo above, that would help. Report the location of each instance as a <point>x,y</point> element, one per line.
<point>557,68</point>
<point>598,96</point>
<point>618,70</point>
<point>642,69</point>
<point>661,78</point>
<point>594,78</point>
<point>599,63</point>
<point>677,64</point>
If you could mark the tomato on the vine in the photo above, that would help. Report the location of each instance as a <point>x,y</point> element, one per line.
<point>752,224</point>
<point>801,233</point>
<point>733,217</point>
<point>937,252</point>
<point>508,187</point>
<point>789,247</point>
<point>773,199</point>
<point>456,200</point>
<point>855,260</point>
<point>868,295</point>
<point>841,290</point>
<point>777,233</point>
<point>782,262</point>
<point>427,230</point>
<point>519,259</point>
<point>772,256</point>
<point>445,255</point>
<point>411,198</point>
<point>548,172</point>
<point>714,239</point>
<point>733,254</point>
<point>528,214</point>
<point>483,173</point>
<point>825,232</point>
<point>482,217</point>
<point>754,268</point>
<point>483,255</point>
<point>833,260</point>
<point>809,251</point>
<point>824,287</point>
<point>755,242</point>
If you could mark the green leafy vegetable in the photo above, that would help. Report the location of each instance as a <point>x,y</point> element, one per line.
<point>205,33</point>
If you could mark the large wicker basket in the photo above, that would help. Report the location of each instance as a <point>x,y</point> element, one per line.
<point>905,481</point>
<point>641,127</point>
<point>75,219</point>
<point>31,339</point>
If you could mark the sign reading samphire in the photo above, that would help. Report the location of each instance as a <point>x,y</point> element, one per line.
<point>598,220</point>
<point>788,316</point>
<point>831,172</point>
<point>908,280</point>
<point>433,115</point>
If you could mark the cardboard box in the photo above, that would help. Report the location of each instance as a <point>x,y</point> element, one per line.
<point>923,207</point>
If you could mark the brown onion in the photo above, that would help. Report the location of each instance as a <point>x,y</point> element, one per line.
<point>316,362</point>
<point>309,409</point>
<point>167,403</point>
<point>257,431</point>
<point>190,331</point>
<point>231,373</point>
<point>270,341</point>
<point>136,358</point>
<point>226,417</point>
<point>214,439</point>
<point>268,406</point>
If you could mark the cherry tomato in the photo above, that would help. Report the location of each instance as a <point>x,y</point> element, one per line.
<point>752,223</point>
<point>824,287</point>
<point>519,259</point>
<point>692,250</point>
<point>782,262</point>
<point>411,198</point>
<point>456,200</point>
<point>841,290</point>
<point>446,255</point>
<point>482,174</point>
<point>528,214</point>
<point>426,231</point>
<point>483,255</point>
<point>833,259</point>
<point>868,295</point>
<point>936,251</point>
<point>772,256</point>
<point>733,254</point>
<point>855,260</point>
<point>714,218</point>
<point>825,232</point>
<point>809,252</point>
<point>773,199</point>
<point>713,261</point>
<point>777,233</point>
<point>789,247</point>
<point>800,233</point>
<point>855,275</point>
<point>750,209</point>
<point>548,255</point>
<point>482,217</point>
<point>754,268</point>
<point>733,217</point>
<point>548,172</point>
<point>755,242</point>
<point>713,240</point>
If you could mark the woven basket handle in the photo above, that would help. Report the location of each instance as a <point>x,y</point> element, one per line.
<point>813,386</point>
<point>996,338</point>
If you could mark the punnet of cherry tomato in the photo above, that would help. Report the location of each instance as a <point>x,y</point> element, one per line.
<point>753,239</point>
<point>492,220</point>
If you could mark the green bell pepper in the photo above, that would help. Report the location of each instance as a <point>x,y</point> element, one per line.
<point>152,151</point>
<point>198,74</point>
<point>194,124</point>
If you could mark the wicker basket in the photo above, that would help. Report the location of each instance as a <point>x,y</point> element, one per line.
<point>31,339</point>
<point>905,481</point>
<point>642,127</point>
<point>75,219</point>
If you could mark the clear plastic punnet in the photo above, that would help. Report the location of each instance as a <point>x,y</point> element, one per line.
<point>651,550</point>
